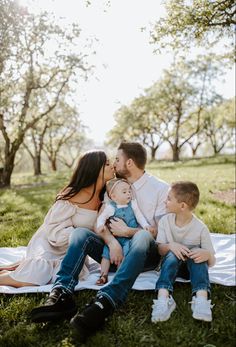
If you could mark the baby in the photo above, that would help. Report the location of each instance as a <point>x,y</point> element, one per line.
<point>121,205</point>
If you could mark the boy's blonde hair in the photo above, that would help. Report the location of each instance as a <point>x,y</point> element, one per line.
<point>187,192</point>
<point>111,184</point>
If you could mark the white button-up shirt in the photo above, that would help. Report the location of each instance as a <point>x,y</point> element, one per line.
<point>151,194</point>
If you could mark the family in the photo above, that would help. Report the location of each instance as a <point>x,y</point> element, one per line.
<point>128,221</point>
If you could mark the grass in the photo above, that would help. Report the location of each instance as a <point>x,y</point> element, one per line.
<point>22,209</point>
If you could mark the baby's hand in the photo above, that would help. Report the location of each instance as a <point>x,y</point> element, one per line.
<point>101,228</point>
<point>152,230</point>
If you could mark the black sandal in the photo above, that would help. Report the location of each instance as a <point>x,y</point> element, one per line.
<point>103,279</point>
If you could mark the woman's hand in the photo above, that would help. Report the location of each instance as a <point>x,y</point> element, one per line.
<point>179,250</point>
<point>199,255</point>
<point>118,228</point>
<point>116,253</point>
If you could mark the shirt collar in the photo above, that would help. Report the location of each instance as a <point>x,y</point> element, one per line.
<point>141,181</point>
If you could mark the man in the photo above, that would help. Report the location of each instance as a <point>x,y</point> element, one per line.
<point>151,194</point>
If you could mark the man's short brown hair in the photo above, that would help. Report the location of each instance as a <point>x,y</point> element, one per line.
<point>136,152</point>
<point>187,192</point>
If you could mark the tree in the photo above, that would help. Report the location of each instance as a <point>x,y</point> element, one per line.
<point>138,122</point>
<point>171,109</point>
<point>38,60</point>
<point>219,124</point>
<point>63,125</point>
<point>179,98</point>
<point>53,132</point>
<point>195,142</point>
<point>33,143</point>
<point>72,149</point>
<point>196,21</point>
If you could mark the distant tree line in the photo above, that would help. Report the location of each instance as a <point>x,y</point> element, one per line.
<point>182,107</point>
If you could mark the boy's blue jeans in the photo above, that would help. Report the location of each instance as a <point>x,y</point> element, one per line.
<point>199,276</point>
<point>142,256</point>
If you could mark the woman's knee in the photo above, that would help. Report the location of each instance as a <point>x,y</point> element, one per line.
<point>79,235</point>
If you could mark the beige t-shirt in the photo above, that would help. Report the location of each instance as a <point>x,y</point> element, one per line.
<point>193,235</point>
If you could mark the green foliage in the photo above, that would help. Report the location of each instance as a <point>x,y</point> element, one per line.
<point>38,60</point>
<point>21,212</point>
<point>197,21</point>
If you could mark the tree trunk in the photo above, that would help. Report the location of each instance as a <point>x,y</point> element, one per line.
<point>194,151</point>
<point>176,151</point>
<point>153,153</point>
<point>54,164</point>
<point>37,165</point>
<point>6,172</point>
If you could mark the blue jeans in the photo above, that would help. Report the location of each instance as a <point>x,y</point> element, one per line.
<point>142,256</point>
<point>199,276</point>
<point>125,244</point>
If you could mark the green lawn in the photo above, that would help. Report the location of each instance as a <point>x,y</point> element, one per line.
<point>22,210</point>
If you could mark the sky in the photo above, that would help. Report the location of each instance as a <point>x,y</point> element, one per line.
<point>125,63</point>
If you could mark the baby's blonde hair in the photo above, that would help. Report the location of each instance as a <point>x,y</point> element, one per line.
<point>111,184</point>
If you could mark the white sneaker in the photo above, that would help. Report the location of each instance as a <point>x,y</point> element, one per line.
<point>201,308</point>
<point>162,309</point>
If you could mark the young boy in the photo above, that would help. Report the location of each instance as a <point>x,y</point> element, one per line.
<point>182,237</point>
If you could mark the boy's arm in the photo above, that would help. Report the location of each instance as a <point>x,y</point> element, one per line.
<point>179,250</point>
<point>206,252</point>
<point>164,246</point>
<point>199,255</point>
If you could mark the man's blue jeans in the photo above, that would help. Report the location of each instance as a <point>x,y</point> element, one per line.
<point>142,256</point>
<point>199,276</point>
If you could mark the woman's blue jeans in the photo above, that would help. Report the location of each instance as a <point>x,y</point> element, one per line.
<point>142,256</point>
<point>199,276</point>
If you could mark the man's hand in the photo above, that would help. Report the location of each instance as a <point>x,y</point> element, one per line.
<point>118,228</point>
<point>152,230</point>
<point>179,250</point>
<point>116,253</point>
<point>199,255</point>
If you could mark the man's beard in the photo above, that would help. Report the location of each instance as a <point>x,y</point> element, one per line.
<point>123,173</point>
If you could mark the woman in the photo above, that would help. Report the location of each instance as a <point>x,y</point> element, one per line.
<point>76,206</point>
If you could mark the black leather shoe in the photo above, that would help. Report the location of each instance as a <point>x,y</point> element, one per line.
<point>93,317</point>
<point>59,305</point>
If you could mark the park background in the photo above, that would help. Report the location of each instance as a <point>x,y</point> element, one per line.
<point>77,75</point>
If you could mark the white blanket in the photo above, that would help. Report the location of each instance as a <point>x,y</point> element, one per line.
<point>222,273</point>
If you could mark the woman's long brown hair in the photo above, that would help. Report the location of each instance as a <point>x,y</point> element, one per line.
<point>85,175</point>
